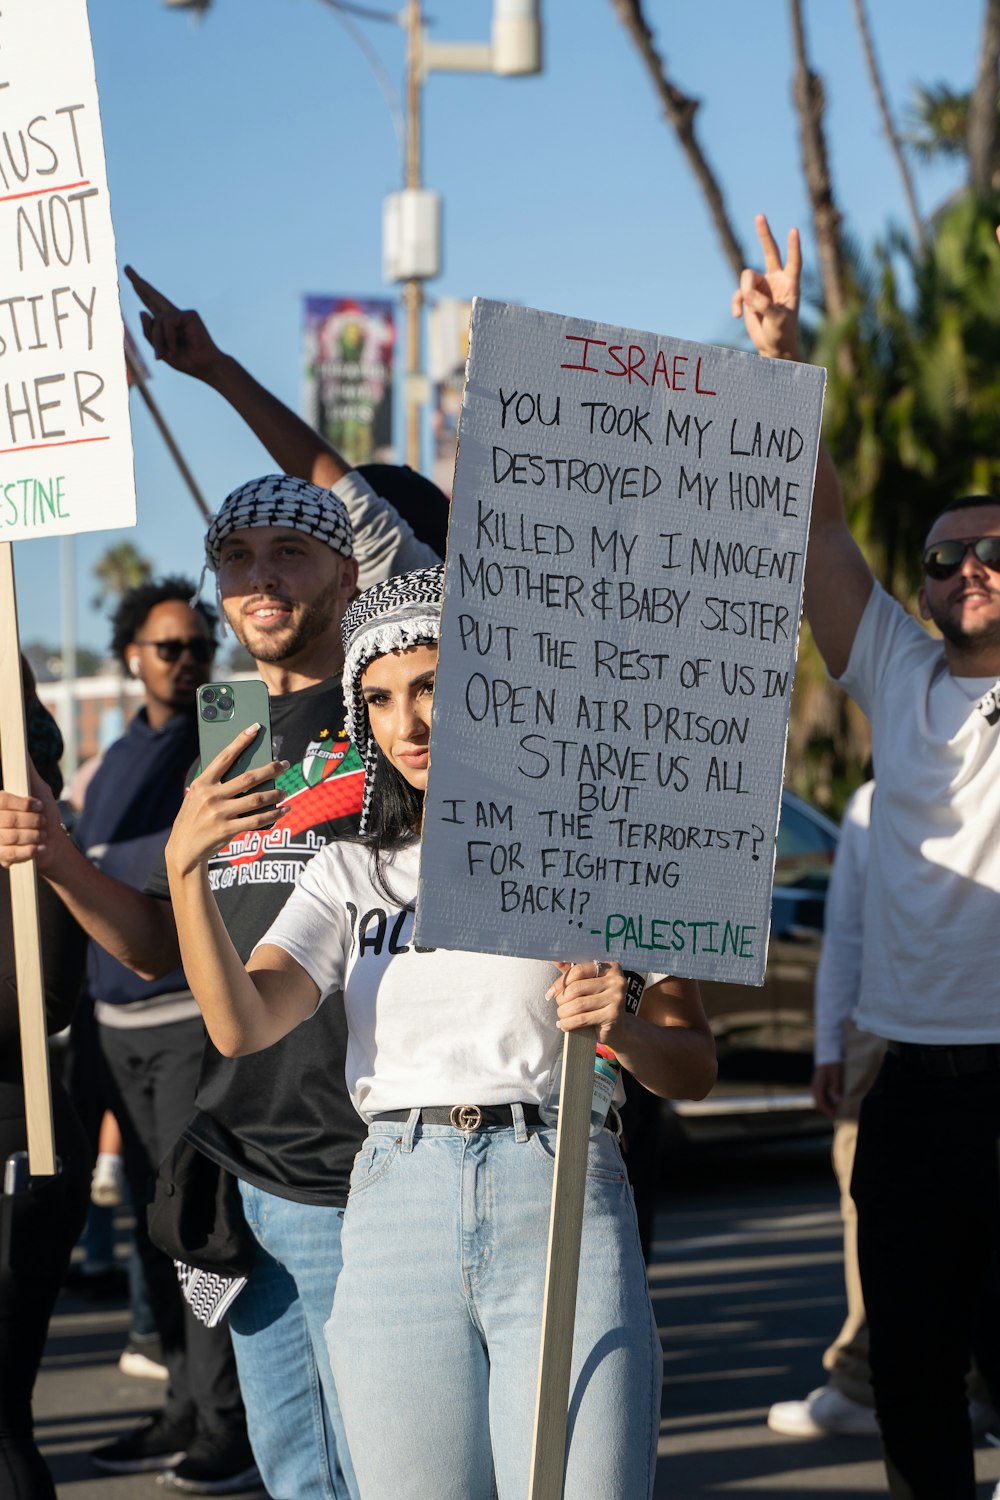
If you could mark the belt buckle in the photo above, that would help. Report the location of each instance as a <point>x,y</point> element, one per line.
<point>466,1117</point>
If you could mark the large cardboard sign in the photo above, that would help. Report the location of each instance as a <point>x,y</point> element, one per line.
<point>65,443</point>
<point>624,582</point>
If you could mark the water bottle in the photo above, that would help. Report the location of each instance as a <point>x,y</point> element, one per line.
<point>606,1072</point>
<point>607,1069</point>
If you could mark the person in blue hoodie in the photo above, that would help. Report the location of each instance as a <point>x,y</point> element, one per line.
<point>150,1034</point>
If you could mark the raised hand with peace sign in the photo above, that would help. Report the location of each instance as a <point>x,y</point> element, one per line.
<point>768,302</point>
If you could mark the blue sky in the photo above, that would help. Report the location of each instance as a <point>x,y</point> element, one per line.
<point>248,155</point>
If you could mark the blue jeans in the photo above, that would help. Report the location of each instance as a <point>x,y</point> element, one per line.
<point>276,1322</point>
<point>434,1335</point>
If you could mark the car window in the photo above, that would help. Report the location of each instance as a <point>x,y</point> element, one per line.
<point>805,851</point>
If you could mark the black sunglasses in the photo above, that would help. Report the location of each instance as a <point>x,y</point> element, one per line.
<point>945,558</point>
<point>200,647</point>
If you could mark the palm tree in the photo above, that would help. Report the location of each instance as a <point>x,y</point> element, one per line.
<point>680,111</point>
<point>908,333</point>
<point>896,144</point>
<point>120,568</point>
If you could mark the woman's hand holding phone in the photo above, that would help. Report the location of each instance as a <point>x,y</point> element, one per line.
<point>216,810</point>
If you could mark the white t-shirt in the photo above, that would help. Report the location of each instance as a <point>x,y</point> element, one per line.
<point>384,543</point>
<point>425,1028</point>
<point>933,895</point>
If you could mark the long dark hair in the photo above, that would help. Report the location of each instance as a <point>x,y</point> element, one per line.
<point>394,817</point>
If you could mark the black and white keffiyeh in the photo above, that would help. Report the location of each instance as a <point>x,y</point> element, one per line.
<point>209,1294</point>
<point>404,611</point>
<point>281,500</point>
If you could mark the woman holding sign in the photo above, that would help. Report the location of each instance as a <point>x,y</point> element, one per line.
<point>434,1335</point>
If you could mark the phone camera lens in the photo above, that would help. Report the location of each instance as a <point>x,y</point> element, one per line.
<point>209,711</point>
<point>225,704</point>
<point>208,695</point>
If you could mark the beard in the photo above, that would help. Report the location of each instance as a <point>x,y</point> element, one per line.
<point>285,644</point>
<point>984,637</point>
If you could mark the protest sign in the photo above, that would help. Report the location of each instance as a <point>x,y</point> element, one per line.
<point>64,429</point>
<point>625,563</point>
<point>64,424</point>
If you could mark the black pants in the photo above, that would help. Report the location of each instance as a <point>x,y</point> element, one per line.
<point>927,1187</point>
<point>152,1073</point>
<point>45,1222</point>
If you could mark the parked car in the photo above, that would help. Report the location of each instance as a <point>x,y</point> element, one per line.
<point>764,1036</point>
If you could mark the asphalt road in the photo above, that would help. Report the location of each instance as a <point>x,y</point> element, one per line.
<point>747,1290</point>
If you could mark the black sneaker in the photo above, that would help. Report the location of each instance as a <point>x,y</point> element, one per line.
<point>157,1444</point>
<point>219,1461</point>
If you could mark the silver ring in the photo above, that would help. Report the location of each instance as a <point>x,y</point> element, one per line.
<point>598,968</point>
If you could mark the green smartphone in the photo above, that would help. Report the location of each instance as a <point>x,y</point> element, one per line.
<point>224,709</point>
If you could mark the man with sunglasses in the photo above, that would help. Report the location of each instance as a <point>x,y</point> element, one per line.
<point>927,1175</point>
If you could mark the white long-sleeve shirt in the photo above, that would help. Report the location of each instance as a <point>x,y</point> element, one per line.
<point>384,544</point>
<point>838,977</point>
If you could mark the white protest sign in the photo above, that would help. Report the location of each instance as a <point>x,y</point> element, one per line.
<point>623,590</point>
<point>65,440</point>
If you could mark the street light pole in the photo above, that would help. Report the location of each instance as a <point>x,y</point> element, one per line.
<point>411,246</point>
<point>411,219</point>
<point>413,292</point>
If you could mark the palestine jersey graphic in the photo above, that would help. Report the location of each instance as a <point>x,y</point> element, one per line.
<point>282,1118</point>
<point>324,786</point>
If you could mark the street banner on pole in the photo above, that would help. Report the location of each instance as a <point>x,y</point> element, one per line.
<point>65,438</point>
<point>621,615</point>
<point>347,395</point>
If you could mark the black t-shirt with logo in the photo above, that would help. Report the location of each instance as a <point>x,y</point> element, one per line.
<point>281,1119</point>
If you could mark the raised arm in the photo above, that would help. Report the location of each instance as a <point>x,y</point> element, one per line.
<point>384,543</point>
<point>136,929</point>
<point>244,1012</point>
<point>838,580</point>
<point>179,338</point>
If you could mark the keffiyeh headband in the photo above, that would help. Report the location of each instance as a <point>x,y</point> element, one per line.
<point>281,500</point>
<point>404,611</point>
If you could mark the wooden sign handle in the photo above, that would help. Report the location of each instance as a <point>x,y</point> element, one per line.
<point>562,1270</point>
<point>24,890</point>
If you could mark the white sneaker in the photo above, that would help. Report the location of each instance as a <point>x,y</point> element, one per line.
<point>107,1182</point>
<point>142,1357</point>
<point>825,1412</point>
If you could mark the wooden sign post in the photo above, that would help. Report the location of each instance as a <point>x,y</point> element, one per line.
<point>24,889</point>
<point>562,1267</point>
<point>622,601</point>
<point>65,441</point>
